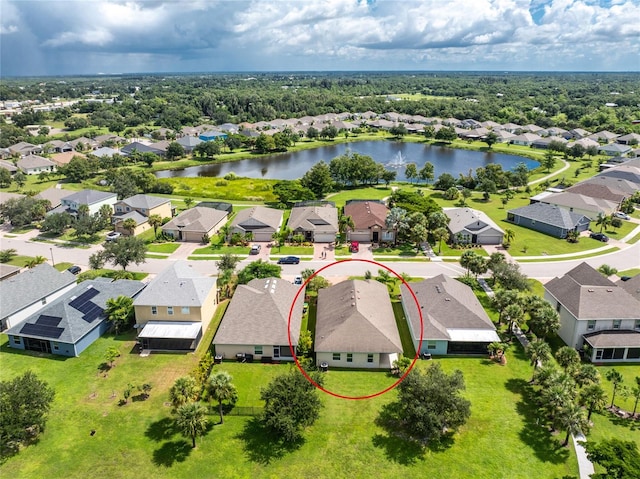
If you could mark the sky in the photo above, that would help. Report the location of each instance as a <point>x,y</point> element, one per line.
<point>60,37</point>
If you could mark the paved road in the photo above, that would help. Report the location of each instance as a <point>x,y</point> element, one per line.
<point>626,258</point>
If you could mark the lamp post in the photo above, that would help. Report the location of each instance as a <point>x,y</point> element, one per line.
<point>53,263</point>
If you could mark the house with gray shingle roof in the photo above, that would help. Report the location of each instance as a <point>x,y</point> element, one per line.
<point>355,326</point>
<point>139,207</point>
<point>175,309</point>
<point>194,223</point>
<point>629,139</point>
<point>260,221</point>
<point>453,320</point>
<point>23,149</point>
<point>73,321</point>
<point>582,204</point>
<point>614,149</point>
<point>189,142</point>
<point>471,226</point>
<point>317,223</point>
<point>34,164</point>
<point>24,294</point>
<point>7,165</point>
<point>257,320</point>
<point>548,219</point>
<point>596,311</point>
<point>94,199</point>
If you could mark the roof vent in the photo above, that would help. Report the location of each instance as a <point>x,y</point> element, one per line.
<point>590,290</point>
<point>353,304</point>
<point>609,290</point>
<point>447,299</point>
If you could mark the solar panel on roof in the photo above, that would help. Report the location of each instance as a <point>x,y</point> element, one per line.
<point>93,314</point>
<point>84,297</point>
<point>43,331</point>
<point>46,320</point>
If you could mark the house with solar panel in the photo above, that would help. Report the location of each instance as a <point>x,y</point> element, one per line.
<point>71,323</point>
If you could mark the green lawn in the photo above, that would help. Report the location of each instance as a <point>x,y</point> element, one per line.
<point>501,438</point>
<point>163,247</point>
<point>406,250</point>
<point>220,250</point>
<point>366,193</point>
<point>244,189</point>
<point>291,250</point>
<point>629,272</point>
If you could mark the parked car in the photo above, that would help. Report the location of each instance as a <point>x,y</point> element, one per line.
<point>354,247</point>
<point>625,278</point>
<point>600,237</point>
<point>113,235</point>
<point>297,280</point>
<point>622,215</point>
<point>74,269</point>
<point>289,260</point>
<point>255,249</point>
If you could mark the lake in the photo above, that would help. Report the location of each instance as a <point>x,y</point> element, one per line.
<point>395,155</point>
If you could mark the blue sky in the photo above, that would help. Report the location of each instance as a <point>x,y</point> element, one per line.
<point>60,37</point>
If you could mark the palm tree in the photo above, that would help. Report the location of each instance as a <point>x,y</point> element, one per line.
<point>571,417</point>
<point>615,377</point>
<point>183,391</point>
<point>635,392</point>
<point>188,202</point>
<point>440,234</point>
<point>514,314</point>
<point>192,420</point>
<point>155,221</point>
<point>32,263</point>
<point>607,270</point>
<point>603,221</point>
<point>573,236</point>
<point>567,357</point>
<point>222,389</point>
<point>119,311</point>
<point>509,235</point>
<point>130,225</point>
<point>345,223</point>
<point>538,351</point>
<point>395,220</point>
<point>586,374</point>
<point>594,398</point>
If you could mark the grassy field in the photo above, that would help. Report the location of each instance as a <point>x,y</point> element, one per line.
<point>243,189</point>
<point>501,438</point>
<point>163,247</point>
<point>366,193</point>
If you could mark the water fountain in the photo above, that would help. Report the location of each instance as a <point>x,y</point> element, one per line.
<point>398,161</point>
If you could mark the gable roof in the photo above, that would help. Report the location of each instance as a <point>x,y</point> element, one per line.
<point>467,219</point>
<point>198,219</point>
<point>7,165</point>
<point>177,285</point>
<point>366,214</point>
<point>65,157</point>
<point>259,314</point>
<point>258,218</point>
<point>595,190</point>
<point>53,196</point>
<point>587,294</point>
<point>31,286</point>
<point>89,197</point>
<point>631,286</point>
<point>71,321</point>
<point>142,201</point>
<point>356,316</point>
<point>551,215</point>
<point>576,200</point>
<point>321,219</point>
<point>446,304</point>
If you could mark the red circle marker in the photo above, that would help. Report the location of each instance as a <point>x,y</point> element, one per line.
<point>293,349</point>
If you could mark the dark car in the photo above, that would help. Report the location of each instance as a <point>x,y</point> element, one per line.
<point>600,237</point>
<point>289,260</point>
<point>74,269</point>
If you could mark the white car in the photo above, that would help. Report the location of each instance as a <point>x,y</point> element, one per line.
<point>297,280</point>
<point>113,235</point>
<point>621,215</point>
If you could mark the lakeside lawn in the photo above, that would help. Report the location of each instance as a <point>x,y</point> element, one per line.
<point>501,438</point>
<point>243,189</point>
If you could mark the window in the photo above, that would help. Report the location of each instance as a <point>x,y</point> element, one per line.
<point>170,310</point>
<point>56,346</point>
<point>591,325</point>
<point>154,310</point>
<point>185,310</point>
<point>44,300</point>
<point>337,356</point>
<point>257,350</point>
<point>431,345</point>
<point>369,358</point>
<point>637,325</point>
<point>598,354</point>
<point>616,323</point>
<point>633,353</point>
<point>349,357</point>
<point>16,340</point>
<point>558,307</point>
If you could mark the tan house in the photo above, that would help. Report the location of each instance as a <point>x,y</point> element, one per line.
<point>139,208</point>
<point>193,224</point>
<point>317,223</point>
<point>355,326</point>
<point>257,320</point>
<point>369,221</point>
<point>175,309</point>
<point>260,221</point>
<point>63,159</point>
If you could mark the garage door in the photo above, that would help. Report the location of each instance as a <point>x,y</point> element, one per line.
<point>262,236</point>
<point>360,237</point>
<point>324,238</point>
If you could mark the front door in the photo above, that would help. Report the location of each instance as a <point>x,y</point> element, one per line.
<point>376,236</point>
<point>276,352</point>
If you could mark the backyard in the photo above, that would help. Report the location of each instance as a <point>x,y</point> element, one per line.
<point>501,438</point>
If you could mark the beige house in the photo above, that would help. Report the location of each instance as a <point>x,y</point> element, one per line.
<point>369,221</point>
<point>260,221</point>
<point>356,327</point>
<point>469,226</point>
<point>175,309</point>
<point>194,223</point>
<point>257,320</point>
<point>139,208</point>
<point>317,223</point>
